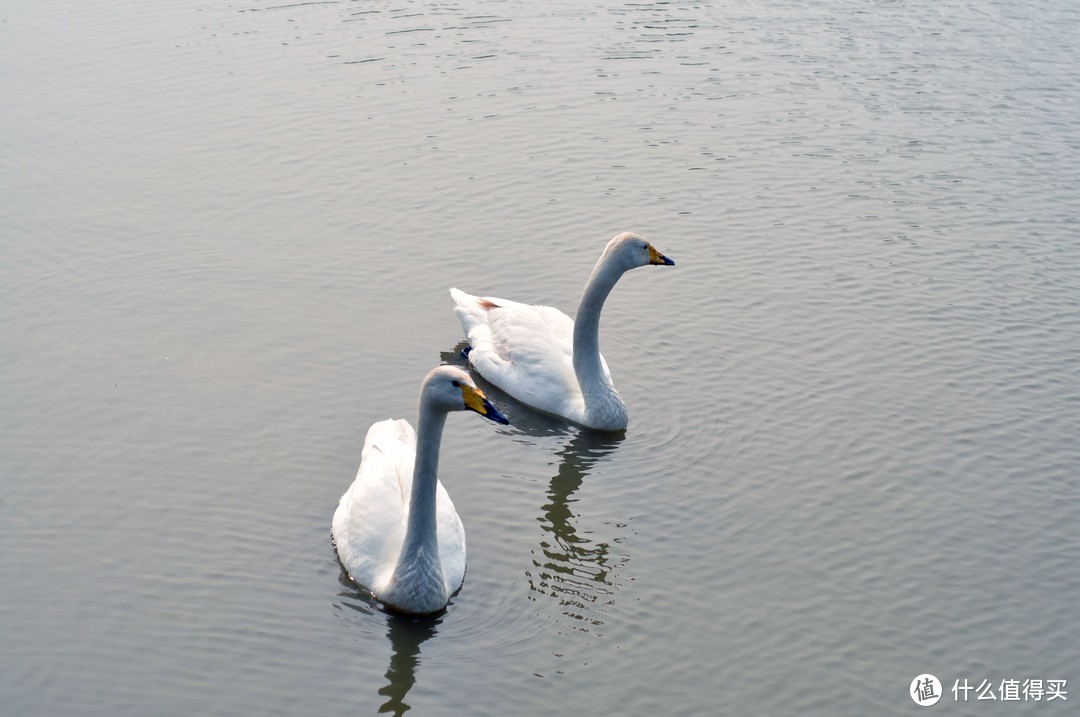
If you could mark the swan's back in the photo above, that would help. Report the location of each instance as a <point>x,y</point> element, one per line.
<point>526,350</point>
<point>539,355</point>
<point>369,523</point>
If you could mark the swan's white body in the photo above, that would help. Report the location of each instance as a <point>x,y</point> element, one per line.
<point>541,356</point>
<point>396,529</point>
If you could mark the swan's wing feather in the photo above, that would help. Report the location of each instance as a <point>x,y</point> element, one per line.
<point>369,523</point>
<point>562,330</point>
<point>526,350</point>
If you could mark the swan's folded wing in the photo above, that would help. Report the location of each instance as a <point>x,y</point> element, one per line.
<point>369,523</point>
<point>526,350</point>
<point>529,354</point>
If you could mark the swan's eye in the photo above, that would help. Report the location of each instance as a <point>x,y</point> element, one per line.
<point>456,383</point>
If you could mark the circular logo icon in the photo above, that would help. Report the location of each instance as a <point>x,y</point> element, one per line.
<point>925,690</point>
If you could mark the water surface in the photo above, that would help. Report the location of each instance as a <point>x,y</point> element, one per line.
<point>228,231</point>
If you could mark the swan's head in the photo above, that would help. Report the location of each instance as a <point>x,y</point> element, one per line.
<point>630,251</point>
<point>451,389</point>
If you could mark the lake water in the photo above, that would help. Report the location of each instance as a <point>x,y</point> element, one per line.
<point>228,229</point>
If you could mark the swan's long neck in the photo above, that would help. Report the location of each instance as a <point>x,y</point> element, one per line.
<point>602,401</point>
<point>419,562</point>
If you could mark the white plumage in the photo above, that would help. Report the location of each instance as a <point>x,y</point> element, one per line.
<point>395,529</point>
<point>544,358</point>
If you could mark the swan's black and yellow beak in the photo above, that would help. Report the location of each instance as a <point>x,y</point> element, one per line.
<point>658,259</point>
<point>475,400</point>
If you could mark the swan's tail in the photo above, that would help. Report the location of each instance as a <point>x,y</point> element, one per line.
<point>389,448</point>
<point>471,310</point>
<point>388,435</point>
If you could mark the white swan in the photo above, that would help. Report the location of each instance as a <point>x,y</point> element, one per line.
<point>541,356</point>
<point>396,530</point>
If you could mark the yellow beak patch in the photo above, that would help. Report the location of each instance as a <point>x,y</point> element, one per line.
<point>474,399</point>
<point>656,257</point>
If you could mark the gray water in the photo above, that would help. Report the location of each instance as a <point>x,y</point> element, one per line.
<point>227,234</point>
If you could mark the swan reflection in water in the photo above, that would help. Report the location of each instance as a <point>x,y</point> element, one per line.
<point>580,572</point>
<point>406,634</point>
